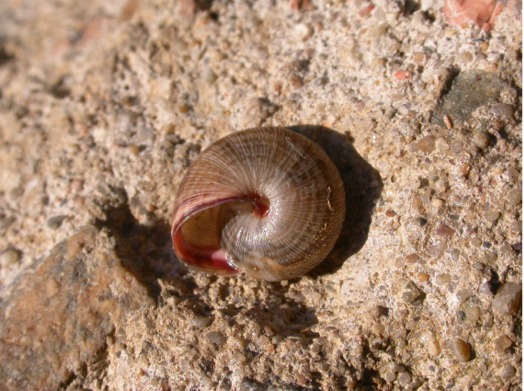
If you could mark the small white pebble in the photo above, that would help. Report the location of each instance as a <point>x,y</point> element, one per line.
<point>301,32</point>
<point>437,202</point>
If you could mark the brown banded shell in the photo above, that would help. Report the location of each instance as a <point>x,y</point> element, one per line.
<point>265,201</point>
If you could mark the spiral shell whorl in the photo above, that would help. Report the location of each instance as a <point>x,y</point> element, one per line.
<point>267,201</point>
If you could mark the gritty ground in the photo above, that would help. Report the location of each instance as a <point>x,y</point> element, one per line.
<point>103,105</point>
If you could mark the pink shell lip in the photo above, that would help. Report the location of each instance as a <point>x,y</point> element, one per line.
<point>210,259</point>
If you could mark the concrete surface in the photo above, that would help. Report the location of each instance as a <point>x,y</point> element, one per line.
<point>103,105</point>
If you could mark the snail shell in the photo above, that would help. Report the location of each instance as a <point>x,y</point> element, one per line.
<point>265,201</point>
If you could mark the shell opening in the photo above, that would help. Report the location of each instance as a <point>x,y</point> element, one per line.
<point>210,259</point>
<point>197,240</point>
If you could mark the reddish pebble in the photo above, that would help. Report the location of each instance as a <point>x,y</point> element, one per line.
<point>444,230</point>
<point>447,122</point>
<point>402,75</point>
<point>460,12</point>
<point>412,258</point>
<point>366,11</point>
<point>299,4</point>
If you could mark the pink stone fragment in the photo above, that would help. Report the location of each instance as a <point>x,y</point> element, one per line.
<point>444,230</point>
<point>480,12</point>
<point>402,75</point>
<point>366,11</point>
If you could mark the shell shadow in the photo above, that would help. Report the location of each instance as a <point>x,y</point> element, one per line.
<point>363,186</point>
<point>143,250</point>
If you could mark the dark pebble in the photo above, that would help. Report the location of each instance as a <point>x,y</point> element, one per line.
<point>56,221</point>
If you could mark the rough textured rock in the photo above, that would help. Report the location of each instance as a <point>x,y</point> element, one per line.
<point>103,105</point>
<point>469,90</point>
<point>60,317</point>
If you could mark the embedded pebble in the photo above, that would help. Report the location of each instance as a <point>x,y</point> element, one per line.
<point>402,74</point>
<point>507,299</point>
<point>507,372</point>
<point>437,248</point>
<point>440,186</point>
<point>412,258</point>
<point>301,32</point>
<point>433,346</point>
<point>426,145</point>
<point>457,146</point>
<point>56,221</point>
<point>301,379</point>
<point>515,197</point>
<point>216,338</point>
<point>461,349</point>
<point>463,295</point>
<point>443,278</point>
<point>419,58</point>
<point>411,293</point>
<point>465,57</point>
<point>201,321</point>
<point>5,222</point>
<point>502,344</point>
<point>423,277</point>
<point>503,111</point>
<point>476,242</point>
<point>444,230</point>
<point>481,140</point>
<point>390,376</point>
<point>404,378</point>
<point>492,215</point>
<point>437,202</point>
<point>472,314</point>
<point>513,174</point>
<point>454,254</point>
<point>10,257</point>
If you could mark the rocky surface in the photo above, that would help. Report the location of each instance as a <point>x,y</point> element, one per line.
<point>104,105</point>
<point>59,321</point>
